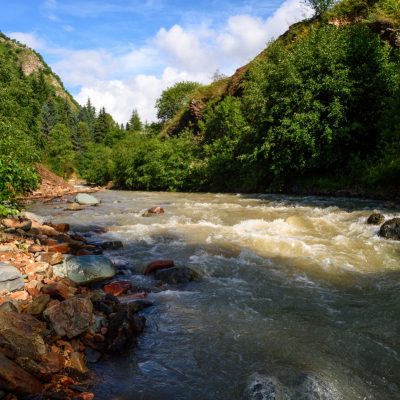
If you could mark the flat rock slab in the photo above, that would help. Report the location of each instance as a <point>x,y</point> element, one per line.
<point>10,278</point>
<point>85,269</point>
<point>86,199</point>
<point>70,317</point>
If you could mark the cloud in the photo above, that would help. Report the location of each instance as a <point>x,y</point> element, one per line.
<point>29,39</point>
<point>135,77</point>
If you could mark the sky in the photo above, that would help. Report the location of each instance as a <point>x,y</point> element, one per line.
<point>123,53</point>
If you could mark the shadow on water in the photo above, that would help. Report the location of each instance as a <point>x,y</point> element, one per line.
<point>258,325</point>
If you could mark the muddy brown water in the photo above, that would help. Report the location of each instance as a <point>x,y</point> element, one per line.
<point>299,298</point>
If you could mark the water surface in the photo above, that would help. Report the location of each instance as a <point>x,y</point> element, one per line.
<point>299,298</point>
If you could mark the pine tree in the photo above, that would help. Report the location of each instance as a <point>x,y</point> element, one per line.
<point>135,124</point>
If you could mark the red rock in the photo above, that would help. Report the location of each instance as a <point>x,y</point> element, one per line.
<point>83,252</point>
<point>35,248</point>
<point>21,295</point>
<point>14,379</point>
<point>64,228</point>
<point>117,288</point>
<point>51,258</point>
<point>158,264</point>
<point>48,242</point>
<point>53,361</point>
<point>47,230</point>
<point>85,396</point>
<point>58,290</point>
<point>62,248</point>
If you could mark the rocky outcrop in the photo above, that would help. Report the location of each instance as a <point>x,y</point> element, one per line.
<point>391,229</point>
<point>85,269</point>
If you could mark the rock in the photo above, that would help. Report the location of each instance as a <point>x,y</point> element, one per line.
<point>8,306</point>
<point>391,229</point>
<point>154,211</point>
<point>158,264</point>
<point>117,288</point>
<point>59,291</point>
<point>376,219</point>
<point>70,317</point>
<point>92,356</point>
<point>140,304</point>
<point>64,228</point>
<point>38,305</point>
<point>24,224</point>
<point>33,217</point>
<point>35,248</point>
<point>40,267</point>
<point>74,207</point>
<point>14,379</point>
<point>107,244</point>
<point>20,295</point>
<point>262,387</point>
<point>10,278</point>
<point>86,199</point>
<point>176,275</point>
<point>23,333</point>
<point>86,269</point>
<point>50,258</point>
<point>77,362</point>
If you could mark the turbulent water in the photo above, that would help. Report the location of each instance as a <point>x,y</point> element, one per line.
<point>299,298</point>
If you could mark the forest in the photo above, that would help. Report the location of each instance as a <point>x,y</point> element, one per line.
<point>317,110</point>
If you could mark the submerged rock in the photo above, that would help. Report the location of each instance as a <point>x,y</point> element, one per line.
<point>391,229</point>
<point>70,317</point>
<point>153,211</point>
<point>10,278</point>
<point>376,219</point>
<point>85,269</point>
<point>158,264</point>
<point>86,199</point>
<point>176,275</point>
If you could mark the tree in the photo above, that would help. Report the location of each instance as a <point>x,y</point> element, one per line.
<point>320,6</point>
<point>174,99</point>
<point>135,124</point>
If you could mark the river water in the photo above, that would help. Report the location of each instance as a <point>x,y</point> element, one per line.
<point>299,298</point>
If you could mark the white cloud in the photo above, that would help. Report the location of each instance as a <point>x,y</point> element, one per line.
<point>136,77</point>
<point>29,39</point>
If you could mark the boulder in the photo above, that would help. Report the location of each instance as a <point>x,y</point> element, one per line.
<point>70,317</point>
<point>176,275</point>
<point>158,264</point>
<point>23,334</point>
<point>376,219</point>
<point>38,305</point>
<point>14,379</point>
<point>153,211</point>
<point>86,199</point>
<point>59,291</point>
<point>391,229</point>
<point>85,269</point>
<point>10,278</point>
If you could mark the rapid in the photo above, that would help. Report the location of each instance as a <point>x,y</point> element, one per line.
<point>298,297</point>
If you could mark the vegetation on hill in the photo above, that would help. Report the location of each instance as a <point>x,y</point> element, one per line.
<point>316,110</point>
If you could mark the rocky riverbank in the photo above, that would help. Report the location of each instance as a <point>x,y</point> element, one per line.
<point>55,316</point>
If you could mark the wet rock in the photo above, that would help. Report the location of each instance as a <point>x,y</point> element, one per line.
<point>50,258</point>
<point>158,264</point>
<point>107,244</point>
<point>74,207</point>
<point>376,219</point>
<point>70,317</point>
<point>38,305</point>
<point>10,278</point>
<point>314,388</point>
<point>62,248</point>
<point>16,380</point>
<point>117,288</point>
<point>391,229</point>
<point>263,387</point>
<point>103,307</point>
<point>77,363</point>
<point>123,328</point>
<point>153,211</point>
<point>176,275</point>
<point>86,269</point>
<point>86,199</point>
<point>64,228</point>
<point>24,334</point>
<point>140,304</point>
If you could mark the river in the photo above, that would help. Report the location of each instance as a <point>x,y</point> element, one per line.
<point>299,298</point>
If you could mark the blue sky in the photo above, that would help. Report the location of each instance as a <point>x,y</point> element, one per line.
<point>123,53</point>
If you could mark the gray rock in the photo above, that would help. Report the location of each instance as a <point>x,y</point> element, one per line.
<point>86,199</point>
<point>33,217</point>
<point>85,269</point>
<point>391,229</point>
<point>70,317</point>
<point>176,275</point>
<point>10,278</point>
<point>376,219</point>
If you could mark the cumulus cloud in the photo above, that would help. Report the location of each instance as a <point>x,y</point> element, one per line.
<point>29,39</point>
<point>135,78</point>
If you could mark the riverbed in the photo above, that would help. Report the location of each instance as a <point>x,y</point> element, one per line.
<point>298,297</point>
